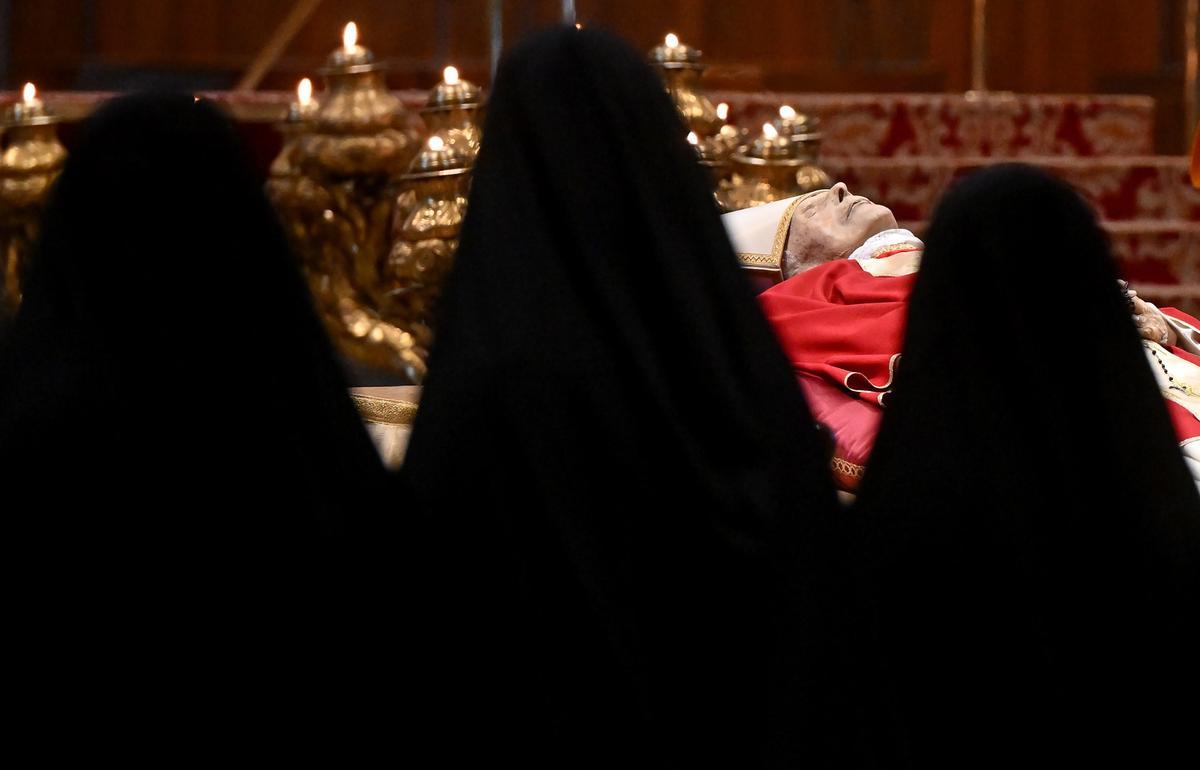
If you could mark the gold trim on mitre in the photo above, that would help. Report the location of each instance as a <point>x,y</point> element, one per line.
<point>753,261</point>
<point>781,232</point>
<point>385,411</point>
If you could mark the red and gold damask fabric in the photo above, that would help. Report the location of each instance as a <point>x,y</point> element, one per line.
<point>956,125</point>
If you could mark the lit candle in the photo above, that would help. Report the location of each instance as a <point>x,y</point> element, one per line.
<point>693,139</point>
<point>787,113</point>
<point>671,40</point>
<point>723,111</point>
<point>29,107</point>
<point>769,131</point>
<point>29,96</point>
<point>304,93</point>
<point>350,37</point>
<point>436,143</point>
<point>450,76</point>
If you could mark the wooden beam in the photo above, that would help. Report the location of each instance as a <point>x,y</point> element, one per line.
<point>265,59</point>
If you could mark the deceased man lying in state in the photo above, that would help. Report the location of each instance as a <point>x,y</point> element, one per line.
<point>845,270</point>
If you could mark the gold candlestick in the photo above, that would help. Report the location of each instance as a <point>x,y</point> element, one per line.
<point>805,135</point>
<point>454,111</point>
<point>713,156</point>
<point>764,171</point>
<point>681,69</point>
<point>348,157</point>
<point>361,128</point>
<point>319,236</point>
<point>31,160</point>
<point>426,237</point>
<point>729,137</point>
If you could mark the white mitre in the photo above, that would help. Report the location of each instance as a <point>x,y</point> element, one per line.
<point>759,234</point>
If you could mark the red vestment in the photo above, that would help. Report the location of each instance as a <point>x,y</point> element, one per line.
<point>842,328</point>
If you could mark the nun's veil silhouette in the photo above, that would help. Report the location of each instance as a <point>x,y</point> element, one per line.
<point>1033,533</point>
<point>613,446</point>
<point>181,461</point>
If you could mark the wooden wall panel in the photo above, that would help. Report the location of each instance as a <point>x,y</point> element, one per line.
<point>1053,46</point>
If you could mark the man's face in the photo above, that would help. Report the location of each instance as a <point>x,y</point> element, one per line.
<point>828,225</point>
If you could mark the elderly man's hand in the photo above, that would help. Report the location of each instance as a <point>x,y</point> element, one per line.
<point>1150,323</point>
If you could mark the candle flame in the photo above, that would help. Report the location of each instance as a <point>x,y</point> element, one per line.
<point>693,139</point>
<point>672,40</point>
<point>450,76</point>
<point>436,143</point>
<point>29,93</point>
<point>723,111</point>
<point>769,131</point>
<point>786,112</point>
<point>304,92</point>
<point>578,25</point>
<point>350,36</point>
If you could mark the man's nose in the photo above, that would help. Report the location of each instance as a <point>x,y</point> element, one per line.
<point>840,190</point>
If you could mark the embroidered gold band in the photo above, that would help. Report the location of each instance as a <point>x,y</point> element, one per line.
<point>846,468</point>
<point>782,231</point>
<point>757,261</point>
<point>384,410</point>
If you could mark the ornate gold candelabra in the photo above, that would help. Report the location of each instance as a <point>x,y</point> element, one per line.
<point>454,111</point>
<point>426,236</point>
<point>764,171</point>
<point>714,157</point>
<point>31,160</point>
<point>728,137</point>
<point>681,69</point>
<point>336,183</point>
<point>805,135</point>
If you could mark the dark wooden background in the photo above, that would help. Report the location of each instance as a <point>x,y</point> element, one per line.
<point>1045,46</point>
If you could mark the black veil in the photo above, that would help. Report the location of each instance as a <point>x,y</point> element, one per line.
<point>1032,531</point>
<point>184,473</point>
<point>626,483</point>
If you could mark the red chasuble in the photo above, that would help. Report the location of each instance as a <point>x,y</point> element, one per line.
<point>841,325</point>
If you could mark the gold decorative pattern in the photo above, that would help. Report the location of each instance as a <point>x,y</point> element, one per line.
<point>758,261</point>
<point>846,468</point>
<point>782,231</point>
<point>384,410</point>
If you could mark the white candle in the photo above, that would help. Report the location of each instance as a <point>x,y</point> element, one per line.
<point>304,92</point>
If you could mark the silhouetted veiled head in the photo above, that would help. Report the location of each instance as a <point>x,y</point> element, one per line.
<point>163,293</point>
<point>637,450</point>
<point>174,428</point>
<point>1034,534</point>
